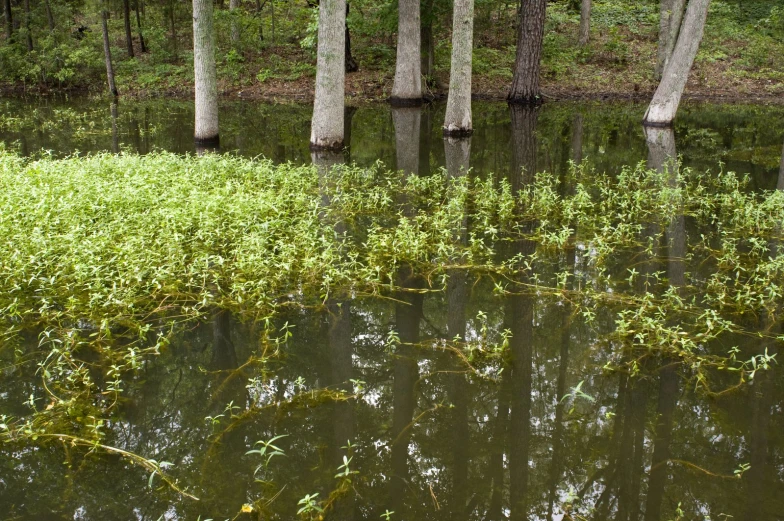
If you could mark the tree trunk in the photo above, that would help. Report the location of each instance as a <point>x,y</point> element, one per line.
<point>127,20</point>
<point>328,108</point>
<point>670,19</point>
<point>458,107</point>
<point>142,46</point>
<point>351,63</point>
<point>585,22</point>
<point>28,34</point>
<point>665,101</point>
<point>426,40</point>
<point>49,15</point>
<point>172,21</point>
<point>407,88</point>
<point>235,28</point>
<point>9,20</point>
<point>206,129</point>
<point>107,52</point>
<point>525,83</point>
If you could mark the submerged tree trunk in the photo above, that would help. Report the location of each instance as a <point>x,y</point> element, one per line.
<point>585,23</point>
<point>206,81</point>
<point>9,20</point>
<point>235,28</point>
<point>115,135</point>
<point>458,107</point>
<point>142,46</point>
<point>407,122</point>
<point>525,83</point>
<point>407,88</point>
<point>670,19</point>
<point>665,101</point>
<point>327,126</point>
<point>107,52</point>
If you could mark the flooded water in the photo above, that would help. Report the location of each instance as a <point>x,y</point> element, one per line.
<point>467,400</point>
<point>744,138</point>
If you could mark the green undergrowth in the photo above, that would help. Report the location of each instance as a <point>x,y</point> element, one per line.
<point>110,255</point>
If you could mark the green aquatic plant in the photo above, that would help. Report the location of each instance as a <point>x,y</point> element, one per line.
<point>106,258</point>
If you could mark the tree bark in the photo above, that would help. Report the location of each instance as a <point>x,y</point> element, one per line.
<point>585,23</point>
<point>665,101</point>
<point>206,81</point>
<point>328,108</point>
<point>49,15</point>
<point>127,21</point>
<point>28,34</point>
<point>9,20</point>
<point>235,28</point>
<point>426,40</point>
<point>525,83</point>
<point>407,87</point>
<point>351,63</point>
<point>670,19</point>
<point>142,46</point>
<point>458,107</point>
<point>107,52</point>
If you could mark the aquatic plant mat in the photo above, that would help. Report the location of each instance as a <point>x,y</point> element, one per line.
<point>183,323</point>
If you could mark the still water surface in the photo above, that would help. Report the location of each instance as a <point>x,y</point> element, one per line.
<point>436,433</point>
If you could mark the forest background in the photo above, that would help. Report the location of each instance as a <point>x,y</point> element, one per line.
<point>266,49</point>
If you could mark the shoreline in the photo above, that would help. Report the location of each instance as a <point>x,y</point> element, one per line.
<point>370,87</point>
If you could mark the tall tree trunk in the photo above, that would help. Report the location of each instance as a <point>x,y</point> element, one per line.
<point>426,40</point>
<point>28,33</point>
<point>142,46</point>
<point>458,107</point>
<point>407,88</point>
<point>107,52</point>
<point>351,63</point>
<point>172,21</point>
<point>9,20</point>
<point>525,83</point>
<point>49,15</point>
<point>665,101</point>
<point>235,28</point>
<point>670,19</point>
<point>585,23</point>
<point>127,21</point>
<point>206,81</point>
<point>328,108</point>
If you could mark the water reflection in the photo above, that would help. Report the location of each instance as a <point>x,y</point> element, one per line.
<point>439,428</point>
<point>607,137</point>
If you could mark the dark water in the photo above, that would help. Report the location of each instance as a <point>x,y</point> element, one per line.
<point>553,430</point>
<point>435,435</point>
<point>745,138</point>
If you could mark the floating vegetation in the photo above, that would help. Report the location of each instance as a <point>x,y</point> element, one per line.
<point>106,259</point>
